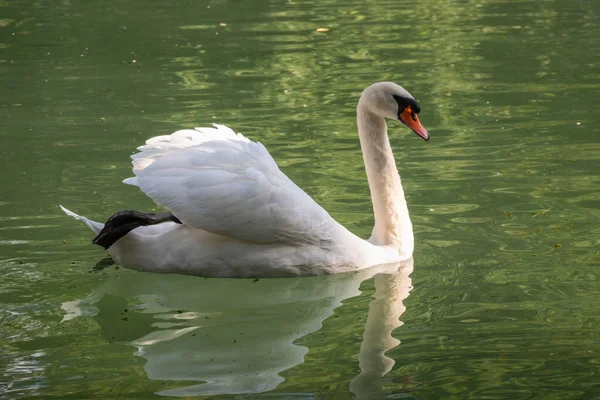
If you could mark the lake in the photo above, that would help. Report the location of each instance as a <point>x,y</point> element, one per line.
<point>502,299</point>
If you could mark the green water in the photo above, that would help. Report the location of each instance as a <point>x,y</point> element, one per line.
<point>504,198</point>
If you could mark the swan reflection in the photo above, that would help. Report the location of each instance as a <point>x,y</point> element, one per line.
<point>233,336</point>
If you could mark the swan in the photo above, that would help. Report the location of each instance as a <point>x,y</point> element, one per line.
<point>233,213</point>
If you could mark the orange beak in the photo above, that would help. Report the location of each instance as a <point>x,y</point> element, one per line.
<point>410,119</point>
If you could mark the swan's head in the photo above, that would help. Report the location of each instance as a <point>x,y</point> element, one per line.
<point>392,101</point>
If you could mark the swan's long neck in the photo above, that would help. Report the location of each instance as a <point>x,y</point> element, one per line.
<point>392,223</point>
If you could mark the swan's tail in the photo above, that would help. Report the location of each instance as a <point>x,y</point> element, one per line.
<point>94,226</point>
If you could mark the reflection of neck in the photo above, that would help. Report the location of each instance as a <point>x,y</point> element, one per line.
<point>392,223</point>
<point>384,313</point>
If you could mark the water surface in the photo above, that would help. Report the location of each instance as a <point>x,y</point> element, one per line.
<point>504,198</point>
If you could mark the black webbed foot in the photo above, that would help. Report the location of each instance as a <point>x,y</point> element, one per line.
<point>123,222</point>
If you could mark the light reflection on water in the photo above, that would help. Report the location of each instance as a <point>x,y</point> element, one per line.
<point>503,198</point>
<point>237,336</point>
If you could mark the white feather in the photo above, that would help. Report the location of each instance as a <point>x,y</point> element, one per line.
<point>218,181</point>
<point>94,226</point>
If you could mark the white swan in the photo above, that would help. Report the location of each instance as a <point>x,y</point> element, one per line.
<point>233,213</point>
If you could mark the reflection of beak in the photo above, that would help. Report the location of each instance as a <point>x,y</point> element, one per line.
<point>411,120</point>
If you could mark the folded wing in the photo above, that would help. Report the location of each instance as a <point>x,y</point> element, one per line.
<point>219,181</point>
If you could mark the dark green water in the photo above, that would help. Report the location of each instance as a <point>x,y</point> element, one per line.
<point>505,197</point>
